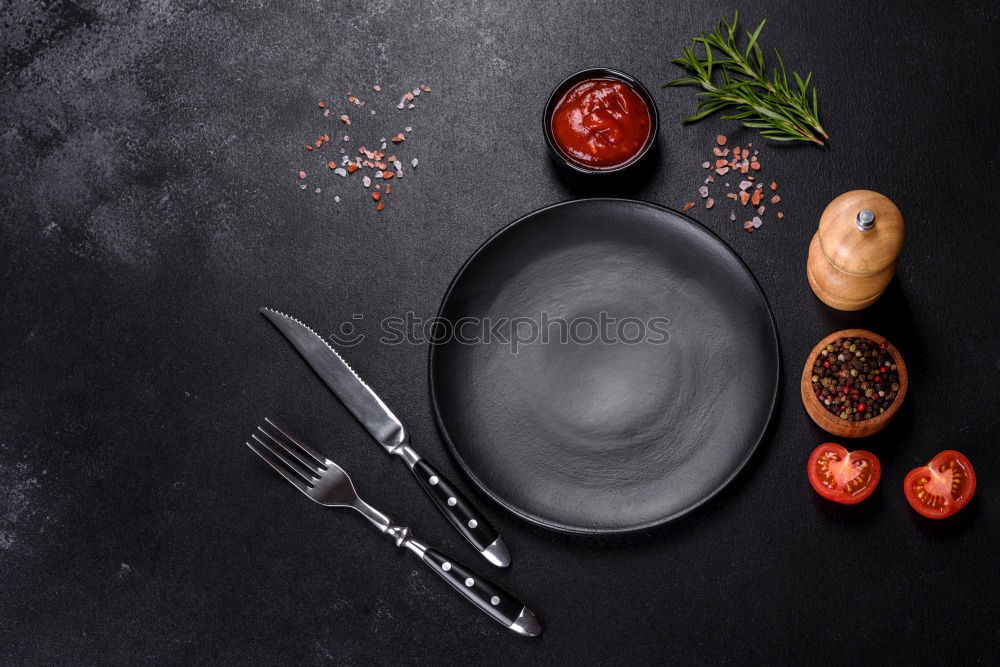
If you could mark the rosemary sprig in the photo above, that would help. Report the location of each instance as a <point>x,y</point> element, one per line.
<point>778,110</point>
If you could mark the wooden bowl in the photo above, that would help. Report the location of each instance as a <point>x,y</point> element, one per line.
<point>830,422</point>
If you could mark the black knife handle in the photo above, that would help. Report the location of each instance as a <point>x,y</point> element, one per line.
<point>473,525</point>
<point>490,598</point>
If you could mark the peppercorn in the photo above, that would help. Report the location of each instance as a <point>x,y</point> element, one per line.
<point>860,368</point>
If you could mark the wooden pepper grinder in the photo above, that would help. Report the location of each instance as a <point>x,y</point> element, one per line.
<point>852,257</point>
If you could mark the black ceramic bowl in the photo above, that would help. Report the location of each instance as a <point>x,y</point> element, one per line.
<point>599,73</point>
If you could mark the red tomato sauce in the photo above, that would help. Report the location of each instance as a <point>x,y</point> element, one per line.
<point>601,123</point>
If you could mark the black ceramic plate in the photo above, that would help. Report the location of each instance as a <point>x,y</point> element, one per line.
<point>607,435</point>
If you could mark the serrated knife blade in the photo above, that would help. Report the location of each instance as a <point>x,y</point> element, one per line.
<point>338,375</point>
<point>388,431</point>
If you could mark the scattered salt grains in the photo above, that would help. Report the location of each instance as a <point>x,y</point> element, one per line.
<point>384,168</point>
<point>744,161</point>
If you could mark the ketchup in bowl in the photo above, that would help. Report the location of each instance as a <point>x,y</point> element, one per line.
<point>601,123</point>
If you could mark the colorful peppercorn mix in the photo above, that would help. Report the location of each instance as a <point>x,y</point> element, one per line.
<point>855,378</point>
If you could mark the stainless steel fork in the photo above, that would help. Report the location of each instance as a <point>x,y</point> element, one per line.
<point>325,482</point>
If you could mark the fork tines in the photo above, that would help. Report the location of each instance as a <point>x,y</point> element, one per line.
<point>294,460</point>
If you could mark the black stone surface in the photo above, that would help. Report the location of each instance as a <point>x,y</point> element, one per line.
<point>149,204</point>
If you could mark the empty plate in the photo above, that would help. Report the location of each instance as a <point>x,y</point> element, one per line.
<point>607,365</point>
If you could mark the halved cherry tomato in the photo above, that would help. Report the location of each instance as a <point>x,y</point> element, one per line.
<point>942,487</point>
<point>842,476</point>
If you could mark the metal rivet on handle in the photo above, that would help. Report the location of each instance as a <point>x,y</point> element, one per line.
<point>433,480</point>
<point>469,582</point>
<point>452,502</point>
<point>473,523</point>
<point>446,566</point>
<point>494,600</point>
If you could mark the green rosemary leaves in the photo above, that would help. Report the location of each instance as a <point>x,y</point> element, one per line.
<point>733,77</point>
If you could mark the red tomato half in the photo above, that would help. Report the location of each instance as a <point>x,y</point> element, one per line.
<point>942,487</point>
<point>842,476</point>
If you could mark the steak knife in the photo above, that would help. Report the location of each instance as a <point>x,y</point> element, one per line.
<point>387,430</point>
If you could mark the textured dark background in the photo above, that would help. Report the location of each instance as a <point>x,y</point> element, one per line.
<point>149,204</point>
